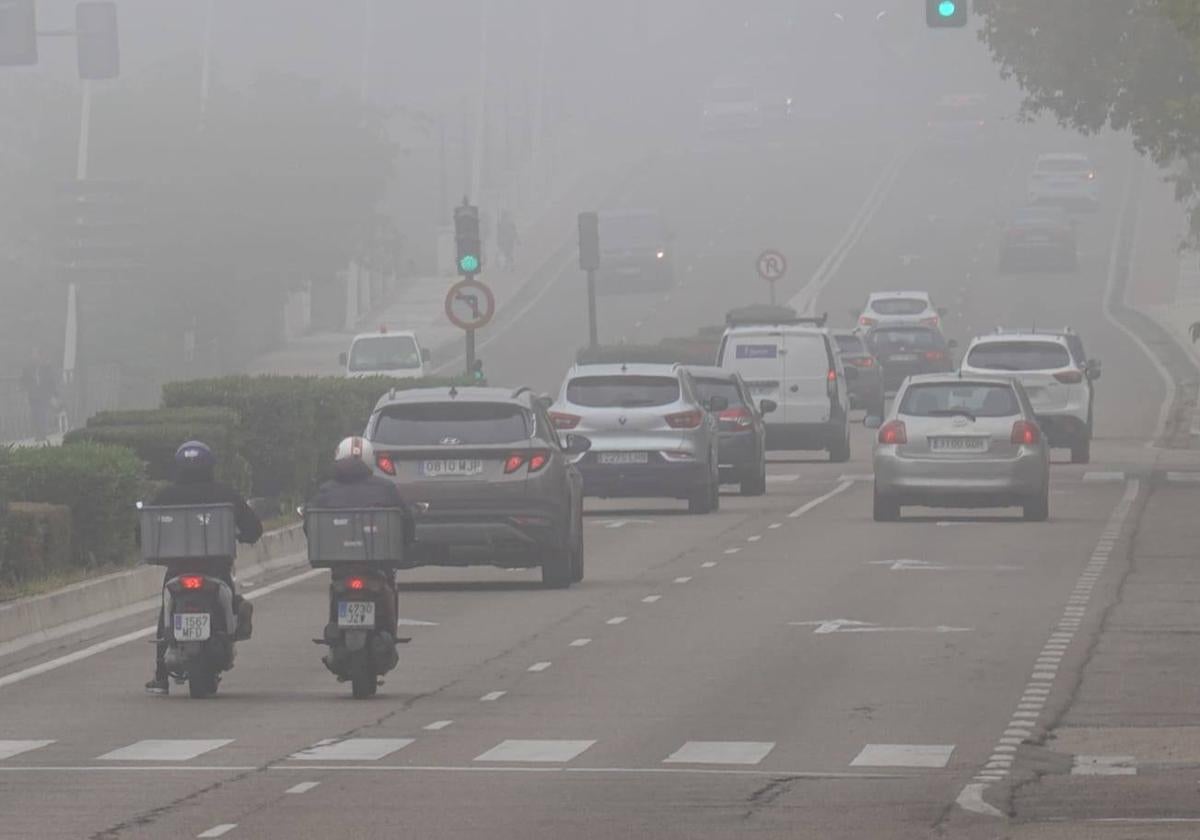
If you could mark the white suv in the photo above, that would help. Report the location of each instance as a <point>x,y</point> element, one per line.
<point>1055,376</point>
<point>1068,179</point>
<point>899,309</point>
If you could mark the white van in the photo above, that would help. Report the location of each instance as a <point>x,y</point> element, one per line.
<point>796,365</point>
<point>396,354</point>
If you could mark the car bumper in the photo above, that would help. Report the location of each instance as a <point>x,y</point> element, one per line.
<point>661,479</point>
<point>803,435</point>
<point>470,537</point>
<point>738,452</point>
<point>976,482</point>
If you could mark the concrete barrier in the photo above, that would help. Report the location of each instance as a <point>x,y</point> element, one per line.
<point>80,611</point>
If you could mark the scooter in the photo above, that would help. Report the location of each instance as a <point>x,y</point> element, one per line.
<point>200,627</point>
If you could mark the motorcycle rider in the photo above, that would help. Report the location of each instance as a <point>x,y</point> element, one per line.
<point>355,486</point>
<point>195,484</point>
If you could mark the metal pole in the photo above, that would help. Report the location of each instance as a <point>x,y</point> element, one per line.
<point>593,341</point>
<point>206,60</point>
<point>470,351</point>
<point>772,285</point>
<point>481,104</point>
<point>71,338</point>
<point>365,78</point>
<point>441,213</point>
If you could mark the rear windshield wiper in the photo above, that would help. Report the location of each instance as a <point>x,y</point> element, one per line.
<point>953,412</point>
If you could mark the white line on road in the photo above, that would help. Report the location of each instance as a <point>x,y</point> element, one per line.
<point>438,725</point>
<point>353,749</point>
<point>492,696</point>
<point>754,538</point>
<point>721,752</point>
<point>820,500</point>
<point>218,830</point>
<point>165,750</point>
<point>581,642</point>
<point>683,771</point>
<point>303,787</point>
<point>732,550</point>
<point>617,619</point>
<point>557,752</point>
<point>684,579</point>
<point>650,599</point>
<point>538,667</point>
<point>708,564</point>
<point>8,749</point>
<point>904,755</point>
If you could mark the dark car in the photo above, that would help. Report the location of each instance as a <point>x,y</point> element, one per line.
<point>1041,237</point>
<point>866,389</point>
<point>742,450</point>
<point>490,479</point>
<point>635,254</point>
<point>909,351</point>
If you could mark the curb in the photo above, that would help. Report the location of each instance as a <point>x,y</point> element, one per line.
<point>78,612</point>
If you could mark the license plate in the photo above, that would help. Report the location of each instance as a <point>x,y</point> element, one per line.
<point>193,627</point>
<point>356,613</point>
<point>622,458</point>
<point>903,357</point>
<point>958,444</point>
<point>451,466</point>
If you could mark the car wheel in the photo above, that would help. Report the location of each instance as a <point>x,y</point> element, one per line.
<point>1037,509</point>
<point>558,567</point>
<point>756,484</point>
<point>701,500</point>
<point>1081,449</point>
<point>577,554</point>
<point>840,452</point>
<point>886,509</point>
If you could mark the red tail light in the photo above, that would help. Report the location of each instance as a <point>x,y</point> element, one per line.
<point>1025,433</point>
<point>930,322</point>
<point>831,376</point>
<point>863,361</point>
<point>564,421</point>
<point>1069,377</point>
<point>864,321</point>
<point>192,582</point>
<point>934,355</point>
<point>386,464</point>
<point>513,463</point>
<point>739,416</point>
<point>685,419</point>
<point>538,460</point>
<point>893,433</point>
<point>355,583</point>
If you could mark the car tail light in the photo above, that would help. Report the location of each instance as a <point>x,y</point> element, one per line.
<point>930,322</point>
<point>831,376</point>
<point>685,419</point>
<point>1069,377</point>
<point>513,463</point>
<point>564,421</point>
<point>538,460</point>
<point>893,433</point>
<point>1091,176</point>
<point>864,321</point>
<point>863,361</point>
<point>386,464</point>
<point>356,583</point>
<point>739,416</point>
<point>1025,433</point>
<point>192,581</point>
<point>934,355</point>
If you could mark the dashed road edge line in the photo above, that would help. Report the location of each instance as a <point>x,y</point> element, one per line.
<point>1042,676</point>
<point>820,500</point>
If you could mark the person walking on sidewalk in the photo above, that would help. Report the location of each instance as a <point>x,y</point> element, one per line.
<point>507,239</point>
<point>41,387</point>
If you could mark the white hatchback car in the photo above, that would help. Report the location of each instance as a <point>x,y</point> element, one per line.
<point>899,309</point>
<point>1058,382</point>
<point>1068,179</point>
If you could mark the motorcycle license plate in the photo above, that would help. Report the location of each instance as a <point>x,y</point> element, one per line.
<point>193,627</point>
<point>356,613</point>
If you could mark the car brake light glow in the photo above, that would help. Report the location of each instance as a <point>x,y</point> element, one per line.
<point>564,421</point>
<point>1091,176</point>
<point>538,460</point>
<point>893,433</point>
<point>513,463</point>
<point>863,362</point>
<point>739,416</point>
<point>660,254</point>
<point>1025,433</point>
<point>930,322</point>
<point>1069,377</point>
<point>355,583</point>
<point>685,419</point>
<point>386,464</point>
<point>192,582</point>
<point>934,355</point>
<point>864,321</point>
<point>831,376</point>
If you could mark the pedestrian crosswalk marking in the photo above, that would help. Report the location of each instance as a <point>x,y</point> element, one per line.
<point>9,749</point>
<point>904,755</point>
<point>353,749</point>
<point>721,752</point>
<point>158,749</point>
<point>557,752</point>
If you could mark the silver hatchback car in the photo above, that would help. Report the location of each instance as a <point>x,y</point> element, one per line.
<point>963,442</point>
<point>650,432</point>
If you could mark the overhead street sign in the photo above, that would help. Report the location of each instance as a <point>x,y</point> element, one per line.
<point>470,304</point>
<point>771,265</point>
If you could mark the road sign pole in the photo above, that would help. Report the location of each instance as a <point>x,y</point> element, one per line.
<point>470,351</point>
<point>593,339</point>
<point>771,284</point>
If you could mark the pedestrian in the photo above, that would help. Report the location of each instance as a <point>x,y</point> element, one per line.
<point>41,387</point>
<point>507,239</point>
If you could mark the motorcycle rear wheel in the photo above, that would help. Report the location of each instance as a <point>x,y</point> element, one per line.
<point>202,683</point>
<point>364,685</point>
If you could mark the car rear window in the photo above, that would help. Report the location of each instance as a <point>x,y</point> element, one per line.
<point>1041,215</point>
<point>622,391</point>
<point>1019,355</point>
<point>385,352</point>
<point>1064,165</point>
<point>850,344</point>
<point>946,398</point>
<point>706,389</point>
<point>466,423</point>
<point>891,338</point>
<point>899,306</point>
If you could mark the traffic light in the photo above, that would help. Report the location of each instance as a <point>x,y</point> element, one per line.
<point>96,40</point>
<point>589,241</point>
<point>466,235</point>
<point>939,13</point>
<point>18,33</point>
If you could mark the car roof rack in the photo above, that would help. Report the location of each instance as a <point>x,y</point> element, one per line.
<point>771,315</point>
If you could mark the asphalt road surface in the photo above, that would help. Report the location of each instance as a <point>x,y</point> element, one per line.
<point>782,668</point>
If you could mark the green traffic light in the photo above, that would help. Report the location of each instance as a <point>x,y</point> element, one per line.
<point>469,264</point>
<point>947,8</point>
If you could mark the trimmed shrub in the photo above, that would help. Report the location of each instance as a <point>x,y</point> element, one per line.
<point>37,541</point>
<point>202,416</point>
<point>100,484</point>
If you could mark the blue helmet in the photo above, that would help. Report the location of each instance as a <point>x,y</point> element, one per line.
<point>195,458</point>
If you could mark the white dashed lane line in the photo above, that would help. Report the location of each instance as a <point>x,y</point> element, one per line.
<point>650,599</point>
<point>303,787</point>
<point>617,619</point>
<point>708,564</point>
<point>538,667</point>
<point>684,579</point>
<point>217,830</point>
<point>492,696</point>
<point>581,642</point>
<point>438,725</point>
<point>732,550</point>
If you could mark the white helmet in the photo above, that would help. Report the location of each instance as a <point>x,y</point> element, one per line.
<point>355,449</point>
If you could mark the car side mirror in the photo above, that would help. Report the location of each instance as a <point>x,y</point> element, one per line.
<point>426,356</point>
<point>952,344</point>
<point>342,358</point>
<point>1093,369</point>
<point>717,403</point>
<point>768,406</point>
<point>576,444</point>
<point>872,422</point>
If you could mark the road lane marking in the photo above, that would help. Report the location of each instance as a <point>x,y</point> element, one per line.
<point>708,564</point>
<point>684,579</point>
<point>651,599</point>
<point>782,478</point>
<point>492,696</point>
<point>8,749</point>
<point>617,619</point>
<point>218,830</point>
<point>617,524</point>
<point>732,550</point>
<point>633,771</point>
<point>438,725</point>
<point>904,755</point>
<point>549,752</point>
<point>353,749</point>
<point>1104,765</point>
<point>846,625</point>
<point>721,752</point>
<point>820,500</point>
<point>161,749</point>
<point>754,538</point>
<point>581,642</point>
<point>538,667</point>
<point>303,787</point>
<point>1184,477</point>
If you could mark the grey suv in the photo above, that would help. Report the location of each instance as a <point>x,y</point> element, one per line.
<point>650,432</point>
<point>490,478</point>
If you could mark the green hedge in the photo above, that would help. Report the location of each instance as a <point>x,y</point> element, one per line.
<point>36,542</point>
<point>202,416</point>
<point>100,484</point>
<point>291,424</point>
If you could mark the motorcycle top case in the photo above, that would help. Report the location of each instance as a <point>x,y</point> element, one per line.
<point>187,532</point>
<point>371,536</point>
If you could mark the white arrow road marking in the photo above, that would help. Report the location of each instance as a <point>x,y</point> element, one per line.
<point>845,625</point>
<point>621,523</point>
<point>904,565</point>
